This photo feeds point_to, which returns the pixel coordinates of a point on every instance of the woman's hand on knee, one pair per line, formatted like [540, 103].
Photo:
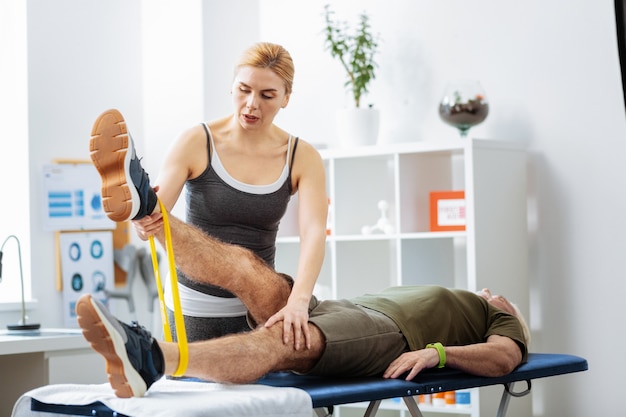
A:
[295, 318]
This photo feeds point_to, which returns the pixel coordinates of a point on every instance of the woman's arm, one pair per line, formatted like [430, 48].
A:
[186, 158]
[310, 180]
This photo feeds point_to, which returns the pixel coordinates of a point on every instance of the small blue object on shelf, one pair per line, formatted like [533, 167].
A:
[463, 398]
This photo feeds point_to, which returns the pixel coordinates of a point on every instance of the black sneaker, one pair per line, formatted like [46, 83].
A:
[126, 191]
[134, 360]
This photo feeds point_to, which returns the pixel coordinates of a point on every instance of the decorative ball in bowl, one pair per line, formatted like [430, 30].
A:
[464, 105]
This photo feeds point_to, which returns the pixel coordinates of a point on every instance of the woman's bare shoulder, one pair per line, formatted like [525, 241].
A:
[307, 149]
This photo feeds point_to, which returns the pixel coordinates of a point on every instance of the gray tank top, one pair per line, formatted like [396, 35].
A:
[235, 212]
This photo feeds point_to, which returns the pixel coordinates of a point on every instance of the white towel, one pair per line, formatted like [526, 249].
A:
[168, 398]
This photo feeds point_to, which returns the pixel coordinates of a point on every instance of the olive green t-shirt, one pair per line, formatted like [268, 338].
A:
[454, 317]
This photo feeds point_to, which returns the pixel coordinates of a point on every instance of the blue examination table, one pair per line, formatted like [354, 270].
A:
[328, 392]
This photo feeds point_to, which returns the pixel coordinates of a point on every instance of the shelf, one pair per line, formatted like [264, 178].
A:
[397, 404]
[433, 235]
[449, 146]
[362, 237]
[491, 251]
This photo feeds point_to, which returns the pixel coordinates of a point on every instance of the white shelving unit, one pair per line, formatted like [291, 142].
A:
[491, 252]
[397, 405]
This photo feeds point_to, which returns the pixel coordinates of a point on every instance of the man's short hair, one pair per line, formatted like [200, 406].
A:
[525, 328]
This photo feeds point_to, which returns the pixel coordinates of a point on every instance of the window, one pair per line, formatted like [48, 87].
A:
[14, 165]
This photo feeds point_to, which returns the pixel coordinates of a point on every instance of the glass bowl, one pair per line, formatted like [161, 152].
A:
[463, 105]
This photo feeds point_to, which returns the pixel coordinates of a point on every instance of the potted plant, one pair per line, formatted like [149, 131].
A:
[356, 50]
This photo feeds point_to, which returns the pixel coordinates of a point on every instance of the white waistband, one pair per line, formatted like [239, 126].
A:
[197, 304]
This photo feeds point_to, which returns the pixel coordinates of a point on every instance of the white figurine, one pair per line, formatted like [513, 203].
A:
[383, 224]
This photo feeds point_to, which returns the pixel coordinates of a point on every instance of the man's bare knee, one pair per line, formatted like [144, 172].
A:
[300, 360]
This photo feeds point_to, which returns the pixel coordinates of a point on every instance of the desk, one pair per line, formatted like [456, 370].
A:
[48, 356]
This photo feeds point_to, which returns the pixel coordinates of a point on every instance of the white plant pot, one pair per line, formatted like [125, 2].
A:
[357, 127]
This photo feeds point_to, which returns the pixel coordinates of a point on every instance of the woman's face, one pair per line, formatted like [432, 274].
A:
[258, 95]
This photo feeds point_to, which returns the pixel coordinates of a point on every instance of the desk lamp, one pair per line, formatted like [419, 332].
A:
[22, 324]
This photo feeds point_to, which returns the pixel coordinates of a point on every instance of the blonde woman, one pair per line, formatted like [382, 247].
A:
[240, 172]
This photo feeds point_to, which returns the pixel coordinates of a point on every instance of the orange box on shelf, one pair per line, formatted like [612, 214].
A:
[447, 211]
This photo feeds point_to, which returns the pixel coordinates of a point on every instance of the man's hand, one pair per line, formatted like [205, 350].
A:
[413, 363]
[498, 356]
[295, 318]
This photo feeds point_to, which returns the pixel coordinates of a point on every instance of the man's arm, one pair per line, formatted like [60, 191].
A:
[498, 356]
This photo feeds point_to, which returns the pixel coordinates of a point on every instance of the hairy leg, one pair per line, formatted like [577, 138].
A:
[245, 357]
[232, 267]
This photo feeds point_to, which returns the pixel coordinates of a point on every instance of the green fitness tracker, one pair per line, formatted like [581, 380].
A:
[440, 351]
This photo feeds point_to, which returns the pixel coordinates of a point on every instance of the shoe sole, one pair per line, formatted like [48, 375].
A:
[110, 153]
[105, 340]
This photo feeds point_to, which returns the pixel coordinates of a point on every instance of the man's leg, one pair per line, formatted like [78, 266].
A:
[127, 195]
[245, 357]
[135, 360]
[204, 259]
[126, 191]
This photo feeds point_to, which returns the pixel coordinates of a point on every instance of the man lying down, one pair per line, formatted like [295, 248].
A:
[396, 333]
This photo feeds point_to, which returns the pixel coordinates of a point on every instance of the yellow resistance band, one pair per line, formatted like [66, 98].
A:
[181, 334]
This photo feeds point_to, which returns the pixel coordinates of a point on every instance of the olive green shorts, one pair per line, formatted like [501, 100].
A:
[359, 341]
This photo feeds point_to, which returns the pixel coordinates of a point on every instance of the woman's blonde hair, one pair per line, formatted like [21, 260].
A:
[272, 56]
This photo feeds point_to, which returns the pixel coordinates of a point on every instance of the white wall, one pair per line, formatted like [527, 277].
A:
[80, 63]
[173, 71]
[549, 67]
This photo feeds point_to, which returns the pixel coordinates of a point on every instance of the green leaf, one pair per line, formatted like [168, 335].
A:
[355, 50]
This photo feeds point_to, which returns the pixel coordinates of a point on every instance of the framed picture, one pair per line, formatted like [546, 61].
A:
[447, 211]
[72, 199]
[86, 267]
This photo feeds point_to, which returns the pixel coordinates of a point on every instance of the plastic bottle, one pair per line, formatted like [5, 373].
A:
[450, 398]
[463, 398]
[425, 399]
[439, 399]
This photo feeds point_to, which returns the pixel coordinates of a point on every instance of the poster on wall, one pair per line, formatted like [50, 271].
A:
[72, 199]
[86, 268]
